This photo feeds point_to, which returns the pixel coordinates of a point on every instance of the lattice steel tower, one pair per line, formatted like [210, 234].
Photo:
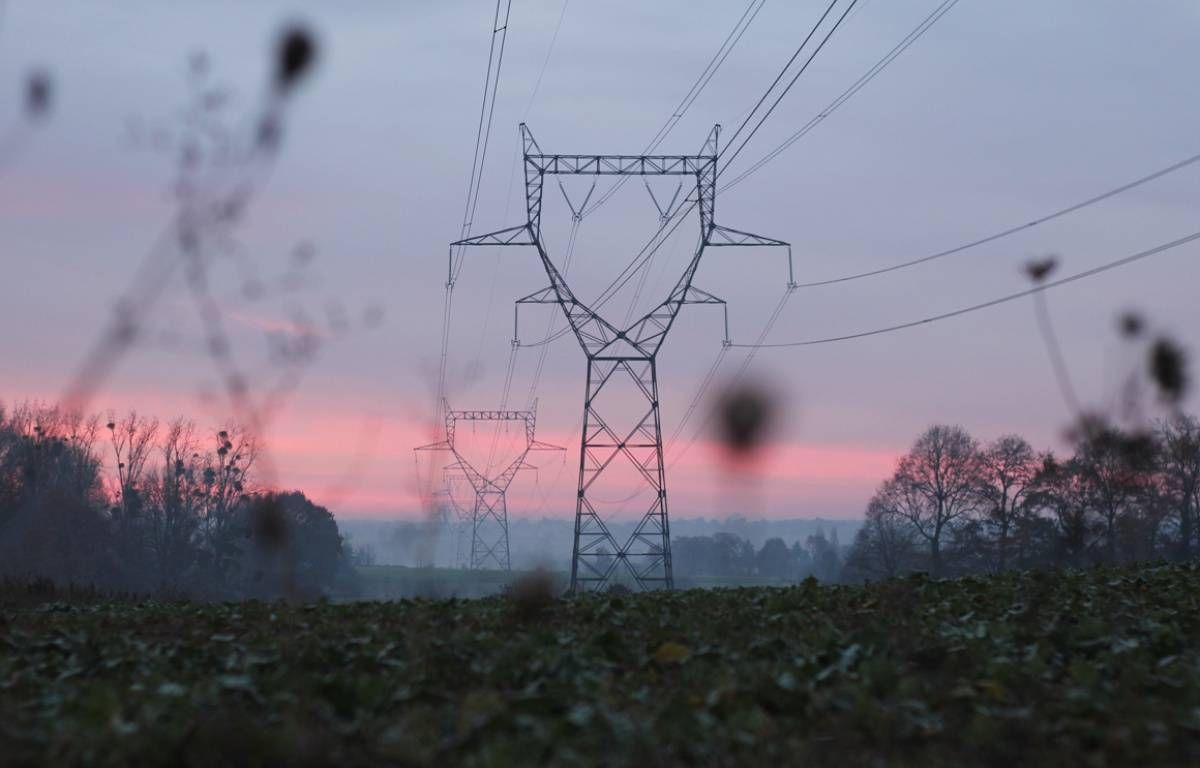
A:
[628, 355]
[489, 518]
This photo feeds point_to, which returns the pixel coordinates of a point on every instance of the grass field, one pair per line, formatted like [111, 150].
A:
[1079, 668]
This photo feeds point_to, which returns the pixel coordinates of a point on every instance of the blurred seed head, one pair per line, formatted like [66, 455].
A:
[1039, 269]
[39, 92]
[269, 524]
[744, 415]
[295, 54]
[1168, 369]
[1131, 324]
[532, 595]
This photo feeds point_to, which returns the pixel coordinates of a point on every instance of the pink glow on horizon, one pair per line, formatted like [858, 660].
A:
[362, 465]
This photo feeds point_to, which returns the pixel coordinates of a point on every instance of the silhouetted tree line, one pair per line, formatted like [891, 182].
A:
[176, 512]
[728, 557]
[956, 507]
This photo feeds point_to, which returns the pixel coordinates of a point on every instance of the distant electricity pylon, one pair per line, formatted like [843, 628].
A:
[443, 504]
[489, 517]
[628, 355]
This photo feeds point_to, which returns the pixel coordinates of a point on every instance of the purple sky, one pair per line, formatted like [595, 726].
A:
[1002, 113]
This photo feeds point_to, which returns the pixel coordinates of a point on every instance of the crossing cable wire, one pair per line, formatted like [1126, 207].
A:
[762, 336]
[707, 382]
[924, 26]
[483, 134]
[508, 377]
[912, 37]
[987, 304]
[791, 83]
[959, 249]
[545, 62]
[479, 156]
[647, 252]
[651, 248]
[689, 98]
[783, 71]
[508, 201]
[551, 322]
[513, 353]
[1014, 229]
[621, 279]
[712, 372]
[496, 257]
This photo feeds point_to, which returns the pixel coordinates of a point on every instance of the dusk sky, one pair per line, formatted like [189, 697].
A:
[1000, 114]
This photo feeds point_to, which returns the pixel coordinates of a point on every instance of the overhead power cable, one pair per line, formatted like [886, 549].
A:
[987, 304]
[546, 61]
[487, 111]
[656, 241]
[916, 34]
[766, 330]
[483, 132]
[727, 45]
[790, 85]
[1015, 229]
[647, 253]
[782, 72]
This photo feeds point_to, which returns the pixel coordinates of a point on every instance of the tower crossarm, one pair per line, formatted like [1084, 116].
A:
[518, 235]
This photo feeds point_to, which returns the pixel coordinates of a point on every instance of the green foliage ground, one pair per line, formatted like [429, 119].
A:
[1080, 668]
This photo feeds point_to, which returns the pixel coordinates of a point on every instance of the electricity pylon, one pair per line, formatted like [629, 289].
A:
[489, 518]
[626, 354]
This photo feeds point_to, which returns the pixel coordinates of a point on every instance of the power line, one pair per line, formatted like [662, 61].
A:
[791, 82]
[1015, 229]
[648, 251]
[727, 45]
[766, 330]
[987, 304]
[782, 72]
[484, 132]
[912, 37]
[546, 61]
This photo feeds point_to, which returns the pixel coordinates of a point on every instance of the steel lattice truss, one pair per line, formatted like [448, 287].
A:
[628, 355]
[489, 517]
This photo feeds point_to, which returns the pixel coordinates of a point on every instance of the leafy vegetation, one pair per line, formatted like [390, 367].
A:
[1075, 667]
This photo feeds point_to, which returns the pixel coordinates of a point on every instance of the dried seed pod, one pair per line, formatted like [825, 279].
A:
[295, 54]
[1039, 269]
[1168, 369]
[39, 91]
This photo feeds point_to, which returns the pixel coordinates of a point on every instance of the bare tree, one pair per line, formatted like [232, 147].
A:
[937, 486]
[132, 440]
[1179, 463]
[885, 546]
[173, 510]
[1007, 468]
[1114, 471]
